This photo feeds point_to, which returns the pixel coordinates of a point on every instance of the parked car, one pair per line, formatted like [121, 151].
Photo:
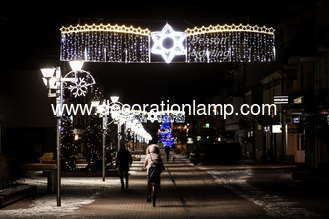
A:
[196, 156]
[227, 152]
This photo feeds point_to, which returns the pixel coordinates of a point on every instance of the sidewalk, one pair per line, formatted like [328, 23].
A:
[187, 192]
[318, 178]
[131, 203]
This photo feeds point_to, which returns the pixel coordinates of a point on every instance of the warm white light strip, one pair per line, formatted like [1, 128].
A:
[108, 27]
[229, 28]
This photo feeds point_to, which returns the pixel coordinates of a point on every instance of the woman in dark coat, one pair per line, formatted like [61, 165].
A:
[124, 160]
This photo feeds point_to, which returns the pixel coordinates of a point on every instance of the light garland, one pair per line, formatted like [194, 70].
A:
[132, 124]
[173, 116]
[153, 116]
[108, 28]
[230, 43]
[229, 28]
[105, 43]
[121, 44]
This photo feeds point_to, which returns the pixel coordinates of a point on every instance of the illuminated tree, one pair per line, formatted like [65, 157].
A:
[94, 139]
[94, 136]
[165, 133]
[68, 148]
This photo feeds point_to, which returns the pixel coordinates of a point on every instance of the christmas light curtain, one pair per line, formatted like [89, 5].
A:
[230, 43]
[221, 43]
[105, 43]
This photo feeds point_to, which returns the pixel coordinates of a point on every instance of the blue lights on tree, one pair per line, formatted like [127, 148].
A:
[165, 133]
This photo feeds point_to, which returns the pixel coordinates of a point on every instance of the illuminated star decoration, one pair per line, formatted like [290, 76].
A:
[152, 116]
[168, 53]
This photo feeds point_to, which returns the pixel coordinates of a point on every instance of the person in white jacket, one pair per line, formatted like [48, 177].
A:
[152, 155]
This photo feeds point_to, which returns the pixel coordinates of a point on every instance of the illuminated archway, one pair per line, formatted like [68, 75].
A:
[121, 44]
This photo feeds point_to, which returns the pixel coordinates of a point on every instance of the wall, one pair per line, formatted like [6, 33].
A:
[291, 147]
[26, 116]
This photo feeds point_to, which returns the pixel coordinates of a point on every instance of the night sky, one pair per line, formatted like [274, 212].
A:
[34, 28]
[31, 30]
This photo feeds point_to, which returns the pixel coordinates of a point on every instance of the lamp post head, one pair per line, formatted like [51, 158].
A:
[114, 99]
[48, 78]
[76, 65]
[95, 103]
[47, 72]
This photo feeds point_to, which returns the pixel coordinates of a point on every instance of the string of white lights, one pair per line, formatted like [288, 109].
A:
[108, 27]
[230, 44]
[229, 28]
[105, 43]
[221, 43]
[153, 116]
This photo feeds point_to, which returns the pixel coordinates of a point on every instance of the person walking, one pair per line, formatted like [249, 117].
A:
[123, 162]
[167, 150]
[152, 155]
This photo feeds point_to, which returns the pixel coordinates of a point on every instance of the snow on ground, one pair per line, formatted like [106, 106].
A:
[76, 191]
[274, 205]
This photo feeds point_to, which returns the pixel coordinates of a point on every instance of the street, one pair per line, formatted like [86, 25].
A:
[188, 191]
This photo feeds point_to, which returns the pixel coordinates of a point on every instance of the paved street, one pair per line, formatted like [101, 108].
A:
[188, 191]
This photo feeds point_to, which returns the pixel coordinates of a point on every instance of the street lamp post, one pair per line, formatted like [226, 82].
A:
[103, 111]
[119, 119]
[115, 99]
[104, 143]
[56, 83]
[119, 133]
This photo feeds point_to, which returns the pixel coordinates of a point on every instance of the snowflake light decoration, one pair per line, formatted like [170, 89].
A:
[80, 88]
[83, 79]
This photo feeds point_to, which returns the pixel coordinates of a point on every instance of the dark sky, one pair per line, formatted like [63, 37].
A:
[32, 30]
[35, 27]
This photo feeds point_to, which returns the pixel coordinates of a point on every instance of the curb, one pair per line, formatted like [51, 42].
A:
[15, 193]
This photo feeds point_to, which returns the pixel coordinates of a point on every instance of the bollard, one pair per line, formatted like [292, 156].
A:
[52, 181]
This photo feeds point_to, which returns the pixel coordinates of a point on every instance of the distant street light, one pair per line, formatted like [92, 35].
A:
[114, 108]
[103, 112]
[114, 99]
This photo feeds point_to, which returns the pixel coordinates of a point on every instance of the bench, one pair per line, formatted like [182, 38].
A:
[47, 157]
